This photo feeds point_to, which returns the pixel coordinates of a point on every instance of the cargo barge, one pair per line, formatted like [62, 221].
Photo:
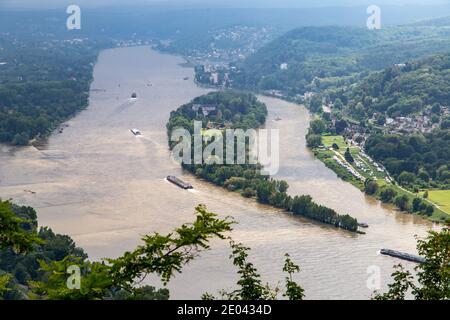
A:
[180, 183]
[403, 256]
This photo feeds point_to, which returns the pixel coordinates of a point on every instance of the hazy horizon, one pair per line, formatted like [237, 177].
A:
[46, 4]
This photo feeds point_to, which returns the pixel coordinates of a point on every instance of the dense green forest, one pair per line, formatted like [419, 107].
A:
[402, 90]
[25, 267]
[316, 58]
[42, 83]
[247, 179]
[233, 110]
[414, 160]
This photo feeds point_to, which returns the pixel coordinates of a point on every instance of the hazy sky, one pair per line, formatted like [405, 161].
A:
[212, 3]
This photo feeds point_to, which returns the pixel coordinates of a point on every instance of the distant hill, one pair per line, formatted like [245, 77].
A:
[403, 90]
[404, 113]
[314, 58]
[444, 21]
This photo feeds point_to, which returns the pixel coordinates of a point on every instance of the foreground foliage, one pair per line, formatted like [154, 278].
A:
[433, 277]
[250, 285]
[162, 255]
[18, 227]
[40, 270]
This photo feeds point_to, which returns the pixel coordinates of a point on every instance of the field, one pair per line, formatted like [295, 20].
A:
[339, 140]
[441, 198]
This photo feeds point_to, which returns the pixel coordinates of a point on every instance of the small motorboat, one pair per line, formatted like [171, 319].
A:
[136, 132]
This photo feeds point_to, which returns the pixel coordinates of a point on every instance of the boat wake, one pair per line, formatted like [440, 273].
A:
[124, 106]
[150, 141]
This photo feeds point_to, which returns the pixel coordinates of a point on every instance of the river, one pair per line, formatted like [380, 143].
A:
[106, 188]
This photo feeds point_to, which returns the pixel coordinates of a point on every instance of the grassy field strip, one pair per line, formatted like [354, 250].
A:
[441, 198]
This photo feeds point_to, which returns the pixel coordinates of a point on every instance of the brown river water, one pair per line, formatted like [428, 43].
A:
[106, 188]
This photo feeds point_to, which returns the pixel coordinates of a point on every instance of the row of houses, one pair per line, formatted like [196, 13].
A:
[420, 123]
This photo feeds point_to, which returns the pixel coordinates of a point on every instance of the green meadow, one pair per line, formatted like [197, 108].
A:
[441, 198]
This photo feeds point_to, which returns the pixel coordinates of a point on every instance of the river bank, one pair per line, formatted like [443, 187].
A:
[364, 170]
[367, 169]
